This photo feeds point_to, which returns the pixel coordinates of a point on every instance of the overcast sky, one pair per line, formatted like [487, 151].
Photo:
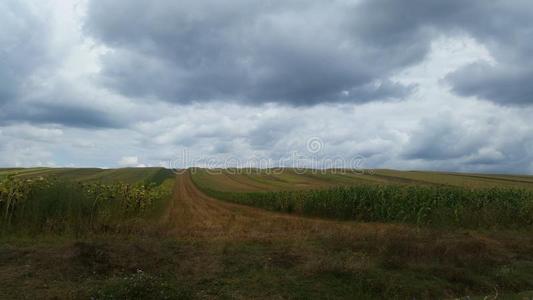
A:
[418, 84]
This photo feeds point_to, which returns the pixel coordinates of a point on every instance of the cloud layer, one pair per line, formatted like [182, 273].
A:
[297, 52]
[304, 52]
[23, 47]
[405, 84]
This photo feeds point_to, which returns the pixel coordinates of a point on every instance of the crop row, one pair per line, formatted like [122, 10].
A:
[50, 205]
[420, 205]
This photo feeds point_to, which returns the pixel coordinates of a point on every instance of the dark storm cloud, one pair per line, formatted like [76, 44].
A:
[28, 65]
[507, 84]
[298, 52]
[57, 113]
[302, 52]
[22, 47]
[73, 116]
[505, 27]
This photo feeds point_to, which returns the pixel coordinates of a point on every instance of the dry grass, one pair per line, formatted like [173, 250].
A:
[255, 180]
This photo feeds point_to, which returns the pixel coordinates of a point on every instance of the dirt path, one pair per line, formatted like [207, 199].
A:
[196, 215]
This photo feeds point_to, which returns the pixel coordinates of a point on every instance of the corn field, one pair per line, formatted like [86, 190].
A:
[420, 205]
[50, 205]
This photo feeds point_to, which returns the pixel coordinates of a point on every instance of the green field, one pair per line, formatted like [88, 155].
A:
[428, 199]
[147, 233]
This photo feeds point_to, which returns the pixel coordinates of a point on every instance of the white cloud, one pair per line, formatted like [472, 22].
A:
[129, 161]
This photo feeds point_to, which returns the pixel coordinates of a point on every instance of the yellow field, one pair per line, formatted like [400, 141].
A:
[126, 175]
[240, 180]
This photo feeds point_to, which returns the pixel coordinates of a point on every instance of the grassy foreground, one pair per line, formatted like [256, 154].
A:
[200, 248]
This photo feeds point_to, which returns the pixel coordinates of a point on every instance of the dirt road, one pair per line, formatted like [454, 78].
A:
[194, 214]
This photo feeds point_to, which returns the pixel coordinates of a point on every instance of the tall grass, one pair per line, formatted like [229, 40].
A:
[56, 206]
[420, 205]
